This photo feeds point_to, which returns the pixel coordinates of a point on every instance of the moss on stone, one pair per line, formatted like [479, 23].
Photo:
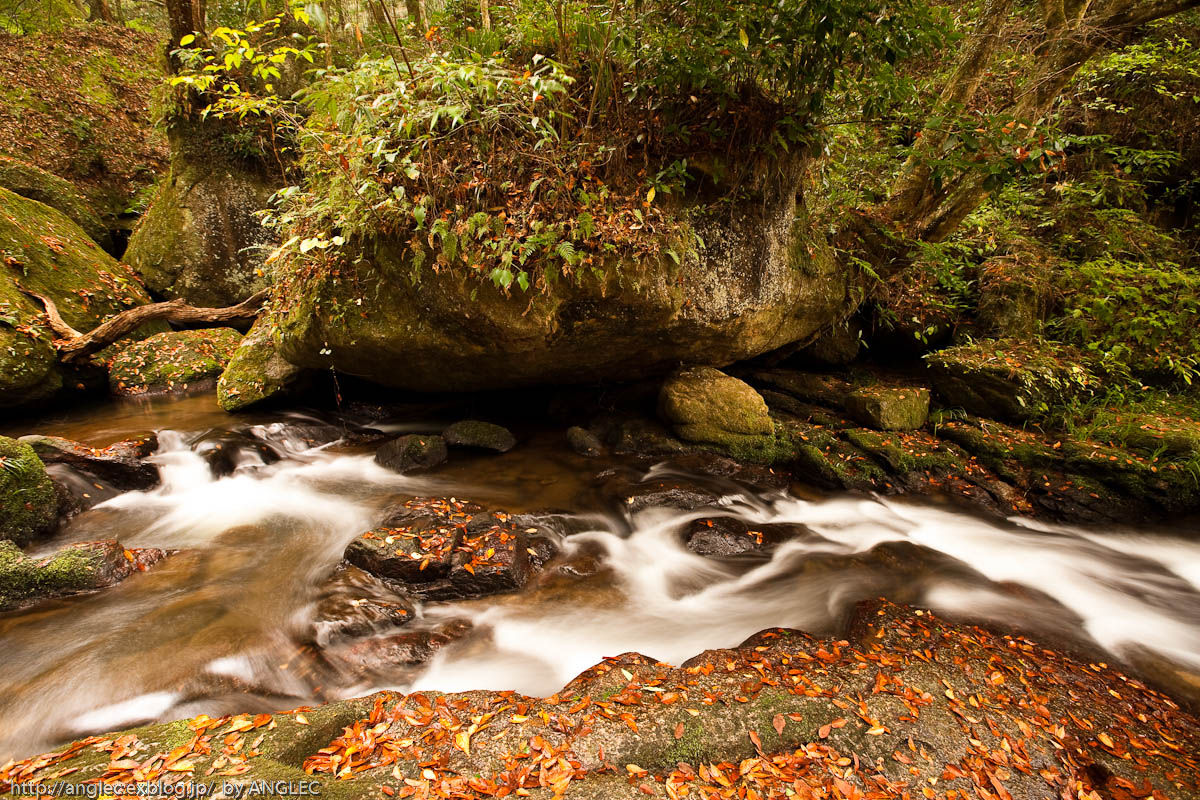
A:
[28, 502]
[256, 373]
[38, 184]
[889, 408]
[706, 405]
[74, 569]
[172, 361]
[44, 251]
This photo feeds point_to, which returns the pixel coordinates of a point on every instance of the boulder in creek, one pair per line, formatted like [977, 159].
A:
[446, 550]
[1009, 379]
[77, 568]
[701, 401]
[394, 654]
[584, 442]
[256, 373]
[173, 361]
[201, 238]
[480, 435]
[904, 700]
[759, 280]
[28, 501]
[889, 408]
[412, 453]
[48, 253]
[119, 465]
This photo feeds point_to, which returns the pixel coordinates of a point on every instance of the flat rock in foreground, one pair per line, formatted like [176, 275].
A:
[905, 706]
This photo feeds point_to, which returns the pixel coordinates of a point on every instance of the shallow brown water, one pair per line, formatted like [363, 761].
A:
[223, 624]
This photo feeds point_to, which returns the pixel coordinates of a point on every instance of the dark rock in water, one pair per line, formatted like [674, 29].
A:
[225, 451]
[481, 435]
[385, 654]
[29, 502]
[412, 453]
[646, 437]
[584, 442]
[354, 604]
[305, 434]
[757, 476]
[542, 531]
[448, 550]
[415, 543]
[491, 557]
[118, 465]
[729, 536]
[82, 567]
[629, 490]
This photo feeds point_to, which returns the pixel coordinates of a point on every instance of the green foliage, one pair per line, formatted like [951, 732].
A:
[1139, 319]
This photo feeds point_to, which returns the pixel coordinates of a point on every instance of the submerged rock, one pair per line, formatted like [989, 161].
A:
[353, 604]
[412, 453]
[82, 567]
[480, 435]
[172, 361]
[889, 409]
[256, 373]
[905, 702]
[28, 501]
[48, 253]
[386, 655]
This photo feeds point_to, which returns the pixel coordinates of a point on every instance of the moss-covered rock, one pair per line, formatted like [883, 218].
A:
[44, 251]
[889, 408]
[256, 373]
[200, 239]
[81, 567]
[480, 435]
[172, 361]
[702, 403]
[38, 184]
[1010, 379]
[760, 281]
[28, 502]
[412, 453]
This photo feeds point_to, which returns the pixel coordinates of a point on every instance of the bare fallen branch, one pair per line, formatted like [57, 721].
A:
[75, 346]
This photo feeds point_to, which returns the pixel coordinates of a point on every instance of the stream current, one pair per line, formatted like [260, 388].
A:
[223, 625]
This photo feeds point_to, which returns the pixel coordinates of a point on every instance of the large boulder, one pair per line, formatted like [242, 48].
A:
[37, 184]
[201, 238]
[28, 502]
[45, 252]
[889, 408]
[759, 282]
[700, 400]
[256, 373]
[172, 361]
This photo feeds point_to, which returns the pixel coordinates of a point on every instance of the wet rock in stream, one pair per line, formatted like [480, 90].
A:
[225, 451]
[78, 568]
[353, 603]
[479, 435]
[119, 465]
[412, 453]
[730, 536]
[442, 549]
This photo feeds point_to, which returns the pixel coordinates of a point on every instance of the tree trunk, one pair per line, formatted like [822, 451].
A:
[98, 11]
[485, 14]
[185, 17]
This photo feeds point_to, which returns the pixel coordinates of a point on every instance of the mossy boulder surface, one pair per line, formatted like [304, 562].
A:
[699, 399]
[759, 282]
[256, 373]
[28, 502]
[480, 435]
[1010, 379]
[172, 361]
[45, 252]
[80, 567]
[36, 183]
[200, 239]
[889, 409]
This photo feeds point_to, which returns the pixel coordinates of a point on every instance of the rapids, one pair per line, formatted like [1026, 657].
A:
[224, 624]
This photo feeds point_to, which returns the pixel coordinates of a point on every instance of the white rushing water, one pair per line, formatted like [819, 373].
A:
[218, 627]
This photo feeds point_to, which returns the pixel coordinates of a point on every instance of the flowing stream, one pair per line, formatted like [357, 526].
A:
[223, 624]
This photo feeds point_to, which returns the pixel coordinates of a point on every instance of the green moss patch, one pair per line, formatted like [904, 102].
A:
[172, 361]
